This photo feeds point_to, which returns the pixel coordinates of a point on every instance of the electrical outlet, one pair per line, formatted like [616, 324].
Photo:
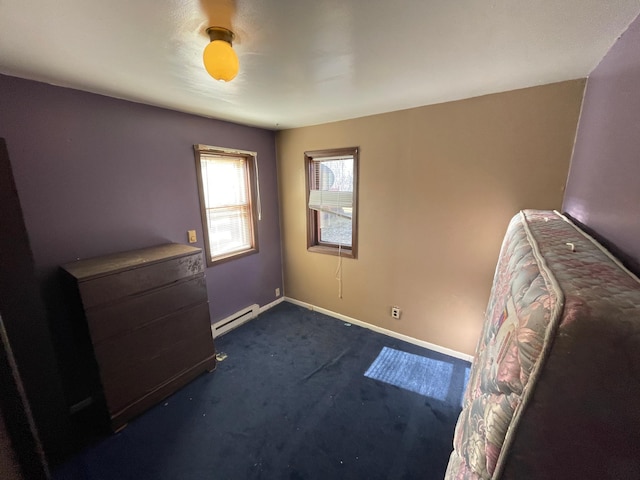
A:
[277, 292]
[192, 236]
[395, 312]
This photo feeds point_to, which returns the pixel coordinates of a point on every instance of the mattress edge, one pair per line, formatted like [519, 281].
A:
[554, 289]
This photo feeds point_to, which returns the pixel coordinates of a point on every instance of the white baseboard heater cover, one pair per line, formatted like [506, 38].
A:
[235, 320]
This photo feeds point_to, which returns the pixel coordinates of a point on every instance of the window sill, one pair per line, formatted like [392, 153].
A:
[330, 250]
[232, 256]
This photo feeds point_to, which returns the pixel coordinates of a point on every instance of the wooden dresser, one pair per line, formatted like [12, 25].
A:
[148, 318]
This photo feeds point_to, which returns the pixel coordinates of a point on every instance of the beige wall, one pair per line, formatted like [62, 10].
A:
[438, 185]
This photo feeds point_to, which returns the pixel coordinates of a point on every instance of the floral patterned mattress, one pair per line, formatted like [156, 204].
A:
[554, 391]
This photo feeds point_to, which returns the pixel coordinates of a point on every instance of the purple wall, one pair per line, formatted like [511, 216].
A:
[603, 189]
[97, 175]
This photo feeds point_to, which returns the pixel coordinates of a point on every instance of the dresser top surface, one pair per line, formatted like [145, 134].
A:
[116, 262]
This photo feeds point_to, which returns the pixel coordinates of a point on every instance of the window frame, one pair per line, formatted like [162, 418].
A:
[253, 194]
[313, 228]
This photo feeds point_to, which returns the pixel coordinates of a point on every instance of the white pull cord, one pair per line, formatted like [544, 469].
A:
[339, 271]
[255, 166]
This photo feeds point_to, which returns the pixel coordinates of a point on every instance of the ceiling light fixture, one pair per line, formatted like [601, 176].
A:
[219, 58]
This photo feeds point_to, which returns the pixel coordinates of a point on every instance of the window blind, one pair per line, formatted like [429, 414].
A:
[331, 188]
[330, 201]
[226, 194]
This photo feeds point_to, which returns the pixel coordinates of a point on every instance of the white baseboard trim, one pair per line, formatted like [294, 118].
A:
[270, 305]
[384, 331]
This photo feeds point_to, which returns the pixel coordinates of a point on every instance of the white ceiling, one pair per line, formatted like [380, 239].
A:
[305, 62]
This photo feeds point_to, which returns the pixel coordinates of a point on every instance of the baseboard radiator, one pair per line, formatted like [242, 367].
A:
[235, 320]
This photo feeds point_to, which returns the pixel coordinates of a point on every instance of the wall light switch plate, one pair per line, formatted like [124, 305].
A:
[192, 236]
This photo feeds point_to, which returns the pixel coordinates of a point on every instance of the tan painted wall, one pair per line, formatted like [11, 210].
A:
[438, 185]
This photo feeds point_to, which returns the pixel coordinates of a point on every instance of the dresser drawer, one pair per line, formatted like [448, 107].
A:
[143, 361]
[136, 311]
[102, 290]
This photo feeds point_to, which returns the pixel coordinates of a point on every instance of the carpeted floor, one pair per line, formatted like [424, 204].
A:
[290, 401]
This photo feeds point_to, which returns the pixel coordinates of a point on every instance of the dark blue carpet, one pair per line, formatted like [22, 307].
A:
[290, 401]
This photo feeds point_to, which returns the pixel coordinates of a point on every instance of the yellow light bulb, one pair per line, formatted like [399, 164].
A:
[220, 60]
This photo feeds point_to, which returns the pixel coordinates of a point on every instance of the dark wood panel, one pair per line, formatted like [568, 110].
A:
[130, 378]
[102, 290]
[27, 331]
[118, 394]
[119, 355]
[20, 446]
[134, 312]
[121, 417]
[89, 268]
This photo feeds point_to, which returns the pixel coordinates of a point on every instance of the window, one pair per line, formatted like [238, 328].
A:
[332, 191]
[229, 202]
